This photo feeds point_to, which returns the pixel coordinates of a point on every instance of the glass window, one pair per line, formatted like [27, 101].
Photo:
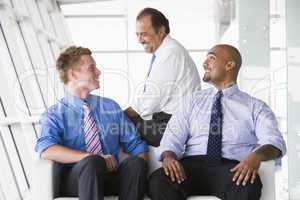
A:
[277, 7]
[110, 60]
[277, 32]
[115, 7]
[98, 33]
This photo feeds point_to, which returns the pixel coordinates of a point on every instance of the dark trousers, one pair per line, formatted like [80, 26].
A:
[90, 180]
[203, 180]
[152, 130]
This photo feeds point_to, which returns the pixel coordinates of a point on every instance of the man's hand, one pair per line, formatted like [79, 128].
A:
[131, 113]
[111, 162]
[247, 169]
[173, 169]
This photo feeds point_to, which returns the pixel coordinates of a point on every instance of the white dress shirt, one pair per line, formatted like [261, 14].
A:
[248, 123]
[173, 75]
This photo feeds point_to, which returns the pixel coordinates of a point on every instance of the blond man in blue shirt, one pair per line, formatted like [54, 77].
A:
[84, 132]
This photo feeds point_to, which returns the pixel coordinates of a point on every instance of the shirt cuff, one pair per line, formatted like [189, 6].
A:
[40, 148]
[139, 149]
[281, 147]
[161, 150]
[44, 143]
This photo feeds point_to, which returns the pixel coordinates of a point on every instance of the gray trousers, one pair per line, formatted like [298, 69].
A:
[90, 180]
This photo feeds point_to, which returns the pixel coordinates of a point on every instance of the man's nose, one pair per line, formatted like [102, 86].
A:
[98, 72]
[140, 38]
[204, 64]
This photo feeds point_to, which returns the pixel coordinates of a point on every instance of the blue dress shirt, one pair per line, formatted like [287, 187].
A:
[62, 124]
[248, 123]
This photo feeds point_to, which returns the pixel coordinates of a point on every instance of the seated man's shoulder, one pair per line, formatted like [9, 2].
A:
[254, 103]
[201, 93]
[54, 109]
[197, 96]
[51, 114]
[251, 99]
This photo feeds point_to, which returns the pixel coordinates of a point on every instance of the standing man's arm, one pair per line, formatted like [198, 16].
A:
[131, 113]
[144, 156]
[129, 137]
[272, 146]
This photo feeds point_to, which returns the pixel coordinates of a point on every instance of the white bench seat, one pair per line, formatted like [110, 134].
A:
[45, 180]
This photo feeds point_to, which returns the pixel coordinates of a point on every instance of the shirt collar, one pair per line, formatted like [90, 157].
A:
[228, 91]
[76, 101]
[161, 46]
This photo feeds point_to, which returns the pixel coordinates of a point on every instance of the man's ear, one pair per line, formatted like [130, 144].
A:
[162, 31]
[230, 66]
[71, 74]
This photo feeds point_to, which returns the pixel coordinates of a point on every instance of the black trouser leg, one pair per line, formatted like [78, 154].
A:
[222, 186]
[162, 188]
[202, 180]
[84, 179]
[133, 178]
[248, 192]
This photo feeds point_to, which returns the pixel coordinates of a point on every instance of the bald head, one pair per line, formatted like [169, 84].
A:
[231, 54]
[222, 65]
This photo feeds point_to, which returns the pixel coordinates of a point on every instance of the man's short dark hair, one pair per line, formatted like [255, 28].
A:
[157, 19]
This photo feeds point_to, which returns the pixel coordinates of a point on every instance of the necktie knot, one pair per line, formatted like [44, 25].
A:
[218, 95]
[86, 106]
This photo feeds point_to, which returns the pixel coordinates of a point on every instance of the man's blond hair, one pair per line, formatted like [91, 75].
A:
[69, 59]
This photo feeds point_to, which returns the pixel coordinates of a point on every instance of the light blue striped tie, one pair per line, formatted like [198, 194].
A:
[150, 68]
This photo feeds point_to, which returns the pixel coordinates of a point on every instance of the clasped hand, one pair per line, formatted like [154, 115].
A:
[111, 162]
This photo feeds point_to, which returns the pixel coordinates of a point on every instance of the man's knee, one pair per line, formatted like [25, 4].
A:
[93, 164]
[251, 191]
[135, 164]
[155, 180]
